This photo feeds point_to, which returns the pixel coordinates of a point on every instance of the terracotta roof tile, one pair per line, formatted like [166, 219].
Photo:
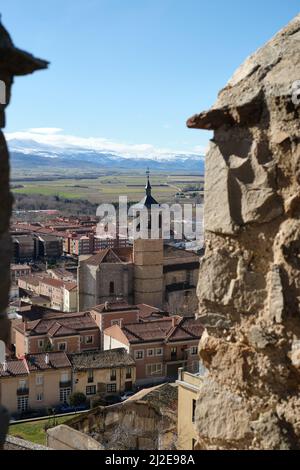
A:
[120, 255]
[164, 329]
[13, 368]
[56, 360]
[56, 325]
[101, 359]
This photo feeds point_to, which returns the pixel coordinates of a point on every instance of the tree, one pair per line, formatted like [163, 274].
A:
[77, 399]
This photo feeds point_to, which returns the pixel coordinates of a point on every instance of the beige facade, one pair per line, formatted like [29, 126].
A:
[61, 294]
[70, 297]
[101, 373]
[18, 270]
[148, 272]
[188, 390]
[36, 382]
[104, 381]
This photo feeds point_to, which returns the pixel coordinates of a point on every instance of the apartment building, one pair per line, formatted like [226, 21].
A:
[18, 270]
[103, 373]
[23, 248]
[68, 332]
[48, 246]
[122, 313]
[188, 391]
[62, 274]
[159, 347]
[62, 294]
[78, 243]
[39, 381]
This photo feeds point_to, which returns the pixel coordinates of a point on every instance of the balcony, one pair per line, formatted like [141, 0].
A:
[189, 380]
[65, 384]
[177, 358]
[23, 391]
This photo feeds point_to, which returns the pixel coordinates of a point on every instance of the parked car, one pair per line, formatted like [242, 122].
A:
[127, 395]
[112, 399]
[65, 408]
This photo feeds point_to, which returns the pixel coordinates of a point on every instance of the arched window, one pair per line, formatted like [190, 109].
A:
[111, 287]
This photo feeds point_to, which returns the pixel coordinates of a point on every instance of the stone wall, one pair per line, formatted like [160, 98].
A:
[15, 443]
[13, 62]
[249, 283]
[65, 438]
[146, 421]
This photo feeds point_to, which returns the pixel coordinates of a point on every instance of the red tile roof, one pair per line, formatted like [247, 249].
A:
[42, 278]
[34, 362]
[119, 306]
[13, 368]
[167, 329]
[118, 255]
[45, 361]
[58, 325]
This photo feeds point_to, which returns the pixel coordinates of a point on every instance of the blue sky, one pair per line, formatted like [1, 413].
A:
[132, 71]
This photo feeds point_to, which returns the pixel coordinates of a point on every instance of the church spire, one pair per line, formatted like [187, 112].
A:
[148, 187]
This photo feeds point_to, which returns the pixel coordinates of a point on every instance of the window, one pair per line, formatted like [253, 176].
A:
[64, 394]
[111, 388]
[111, 287]
[194, 350]
[22, 403]
[62, 346]
[193, 410]
[116, 322]
[89, 339]
[139, 354]
[150, 352]
[90, 376]
[22, 385]
[173, 353]
[39, 397]
[39, 380]
[64, 377]
[154, 369]
[91, 390]
[113, 374]
[41, 343]
[128, 373]
[159, 351]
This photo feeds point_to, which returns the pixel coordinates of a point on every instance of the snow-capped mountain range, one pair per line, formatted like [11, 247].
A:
[49, 148]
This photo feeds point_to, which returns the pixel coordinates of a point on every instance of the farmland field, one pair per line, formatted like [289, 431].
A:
[107, 188]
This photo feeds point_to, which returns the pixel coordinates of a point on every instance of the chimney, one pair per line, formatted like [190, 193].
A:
[106, 306]
[4, 366]
[47, 359]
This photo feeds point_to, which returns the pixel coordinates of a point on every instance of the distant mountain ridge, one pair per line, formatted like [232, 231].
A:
[27, 153]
